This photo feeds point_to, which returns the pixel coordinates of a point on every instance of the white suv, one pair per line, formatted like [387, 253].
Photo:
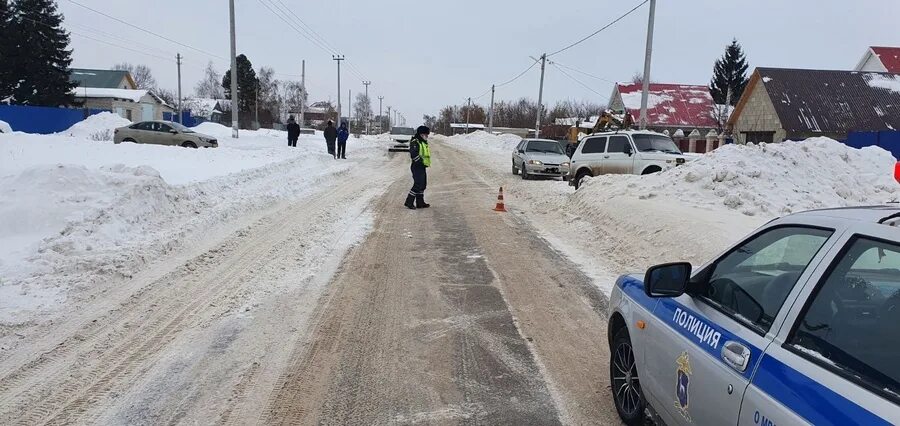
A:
[625, 152]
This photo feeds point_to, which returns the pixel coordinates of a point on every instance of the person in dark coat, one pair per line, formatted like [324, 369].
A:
[293, 130]
[420, 154]
[342, 135]
[330, 137]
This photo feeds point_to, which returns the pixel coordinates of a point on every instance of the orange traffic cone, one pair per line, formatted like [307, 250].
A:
[500, 206]
[897, 171]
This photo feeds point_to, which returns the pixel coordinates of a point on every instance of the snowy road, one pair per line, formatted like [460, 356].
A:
[451, 315]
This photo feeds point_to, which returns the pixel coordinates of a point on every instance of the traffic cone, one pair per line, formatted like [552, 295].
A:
[500, 206]
[897, 171]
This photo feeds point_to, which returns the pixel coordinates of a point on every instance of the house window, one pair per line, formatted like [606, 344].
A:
[758, 137]
[128, 115]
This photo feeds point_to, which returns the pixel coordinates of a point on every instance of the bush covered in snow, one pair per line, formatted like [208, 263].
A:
[98, 127]
[767, 179]
[5, 127]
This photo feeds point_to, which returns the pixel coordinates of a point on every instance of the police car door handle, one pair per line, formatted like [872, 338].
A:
[736, 355]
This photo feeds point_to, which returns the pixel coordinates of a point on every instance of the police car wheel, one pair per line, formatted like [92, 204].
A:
[626, 387]
[515, 171]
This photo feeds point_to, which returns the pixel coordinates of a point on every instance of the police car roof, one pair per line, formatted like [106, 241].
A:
[874, 214]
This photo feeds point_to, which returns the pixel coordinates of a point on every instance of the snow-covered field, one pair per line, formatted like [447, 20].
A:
[75, 210]
[624, 223]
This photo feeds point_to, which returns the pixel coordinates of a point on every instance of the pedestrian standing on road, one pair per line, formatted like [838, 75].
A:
[421, 160]
[293, 130]
[342, 135]
[330, 137]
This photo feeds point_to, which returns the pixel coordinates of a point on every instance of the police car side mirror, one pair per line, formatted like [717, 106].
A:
[667, 280]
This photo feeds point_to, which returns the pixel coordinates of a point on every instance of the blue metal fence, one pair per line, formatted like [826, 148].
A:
[887, 139]
[186, 118]
[43, 120]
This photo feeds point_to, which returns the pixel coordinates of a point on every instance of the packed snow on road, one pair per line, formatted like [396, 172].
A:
[626, 223]
[76, 209]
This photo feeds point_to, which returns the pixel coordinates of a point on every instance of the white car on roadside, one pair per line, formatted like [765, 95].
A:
[624, 152]
[797, 324]
[539, 157]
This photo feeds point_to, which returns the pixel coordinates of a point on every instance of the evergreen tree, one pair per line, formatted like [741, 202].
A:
[43, 55]
[730, 71]
[247, 84]
[7, 47]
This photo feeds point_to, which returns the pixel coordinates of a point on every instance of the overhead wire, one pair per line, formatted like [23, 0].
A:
[584, 73]
[284, 18]
[147, 31]
[576, 80]
[600, 30]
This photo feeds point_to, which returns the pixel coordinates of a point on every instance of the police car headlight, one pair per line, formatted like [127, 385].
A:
[565, 164]
[535, 162]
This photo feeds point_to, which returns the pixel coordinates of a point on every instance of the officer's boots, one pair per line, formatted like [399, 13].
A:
[409, 202]
[420, 202]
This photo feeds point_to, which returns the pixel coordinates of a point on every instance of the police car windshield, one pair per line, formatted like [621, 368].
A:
[658, 143]
[403, 131]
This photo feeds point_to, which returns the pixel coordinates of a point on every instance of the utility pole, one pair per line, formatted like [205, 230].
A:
[234, 77]
[491, 113]
[468, 109]
[256, 108]
[338, 59]
[389, 118]
[540, 106]
[350, 109]
[380, 117]
[367, 83]
[302, 92]
[645, 93]
[178, 60]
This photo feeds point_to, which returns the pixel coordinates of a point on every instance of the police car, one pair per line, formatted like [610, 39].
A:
[797, 324]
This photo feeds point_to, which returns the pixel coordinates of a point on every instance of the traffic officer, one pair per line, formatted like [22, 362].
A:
[421, 160]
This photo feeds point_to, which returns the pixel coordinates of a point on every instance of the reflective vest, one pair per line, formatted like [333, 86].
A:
[424, 153]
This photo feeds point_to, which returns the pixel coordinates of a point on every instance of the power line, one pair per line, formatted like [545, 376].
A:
[576, 80]
[309, 28]
[294, 27]
[147, 31]
[585, 73]
[601, 29]
[518, 76]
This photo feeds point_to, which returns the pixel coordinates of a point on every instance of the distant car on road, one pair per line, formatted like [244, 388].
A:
[624, 152]
[402, 134]
[799, 323]
[539, 157]
[163, 133]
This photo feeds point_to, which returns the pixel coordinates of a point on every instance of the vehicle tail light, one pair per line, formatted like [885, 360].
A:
[897, 172]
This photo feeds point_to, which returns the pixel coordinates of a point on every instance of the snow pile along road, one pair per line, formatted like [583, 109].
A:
[98, 127]
[5, 127]
[75, 212]
[766, 179]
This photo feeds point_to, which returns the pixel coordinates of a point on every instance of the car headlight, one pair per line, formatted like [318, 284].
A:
[565, 164]
[535, 162]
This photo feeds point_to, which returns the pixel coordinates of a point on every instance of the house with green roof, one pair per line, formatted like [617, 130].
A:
[103, 79]
[116, 91]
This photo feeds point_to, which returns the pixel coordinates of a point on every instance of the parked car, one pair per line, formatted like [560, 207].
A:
[539, 157]
[799, 323]
[163, 133]
[624, 152]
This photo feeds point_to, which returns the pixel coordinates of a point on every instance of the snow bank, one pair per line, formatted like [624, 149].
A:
[485, 142]
[75, 211]
[5, 127]
[767, 179]
[98, 127]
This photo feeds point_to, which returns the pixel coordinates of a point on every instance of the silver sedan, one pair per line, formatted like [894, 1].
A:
[163, 133]
[539, 157]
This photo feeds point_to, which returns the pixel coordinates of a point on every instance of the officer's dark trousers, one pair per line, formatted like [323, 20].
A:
[342, 149]
[420, 181]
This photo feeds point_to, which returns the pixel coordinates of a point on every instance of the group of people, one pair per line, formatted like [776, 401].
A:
[419, 153]
[332, 135]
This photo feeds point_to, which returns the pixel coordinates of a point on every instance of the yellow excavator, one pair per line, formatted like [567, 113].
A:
[609, 120]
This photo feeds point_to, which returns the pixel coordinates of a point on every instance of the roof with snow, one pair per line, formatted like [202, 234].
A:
[96, 92]
[464, 125]
[880, 59]
[824, 101]
[108, 79]
[670, 105]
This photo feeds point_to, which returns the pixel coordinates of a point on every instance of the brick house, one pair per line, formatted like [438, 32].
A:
[794, 104]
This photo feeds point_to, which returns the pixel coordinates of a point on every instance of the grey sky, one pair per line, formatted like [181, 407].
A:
[421, 55]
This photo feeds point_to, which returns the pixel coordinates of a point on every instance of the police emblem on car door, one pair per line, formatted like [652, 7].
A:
[682, 385]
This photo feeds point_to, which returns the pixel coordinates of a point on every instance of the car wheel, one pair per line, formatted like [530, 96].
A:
[525, 175]
[514, 169]
[651, 169]
[189, 145]
[129, 140]
[580, 177]
[626, 385]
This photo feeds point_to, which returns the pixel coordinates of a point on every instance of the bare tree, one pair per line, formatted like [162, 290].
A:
[142, 75]
[361, 108]
[268, 91]
[168, 96]
[210, 86]
[291, 95]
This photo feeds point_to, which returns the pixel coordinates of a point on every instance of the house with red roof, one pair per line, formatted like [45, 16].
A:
[680, 110]
[880, 59]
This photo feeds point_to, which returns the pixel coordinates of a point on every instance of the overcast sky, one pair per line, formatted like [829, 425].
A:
[421, 55]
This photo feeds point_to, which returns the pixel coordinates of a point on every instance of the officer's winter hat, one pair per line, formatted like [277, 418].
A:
[423, 130]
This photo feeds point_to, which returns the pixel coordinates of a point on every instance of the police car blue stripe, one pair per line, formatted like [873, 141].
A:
[806, 397]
